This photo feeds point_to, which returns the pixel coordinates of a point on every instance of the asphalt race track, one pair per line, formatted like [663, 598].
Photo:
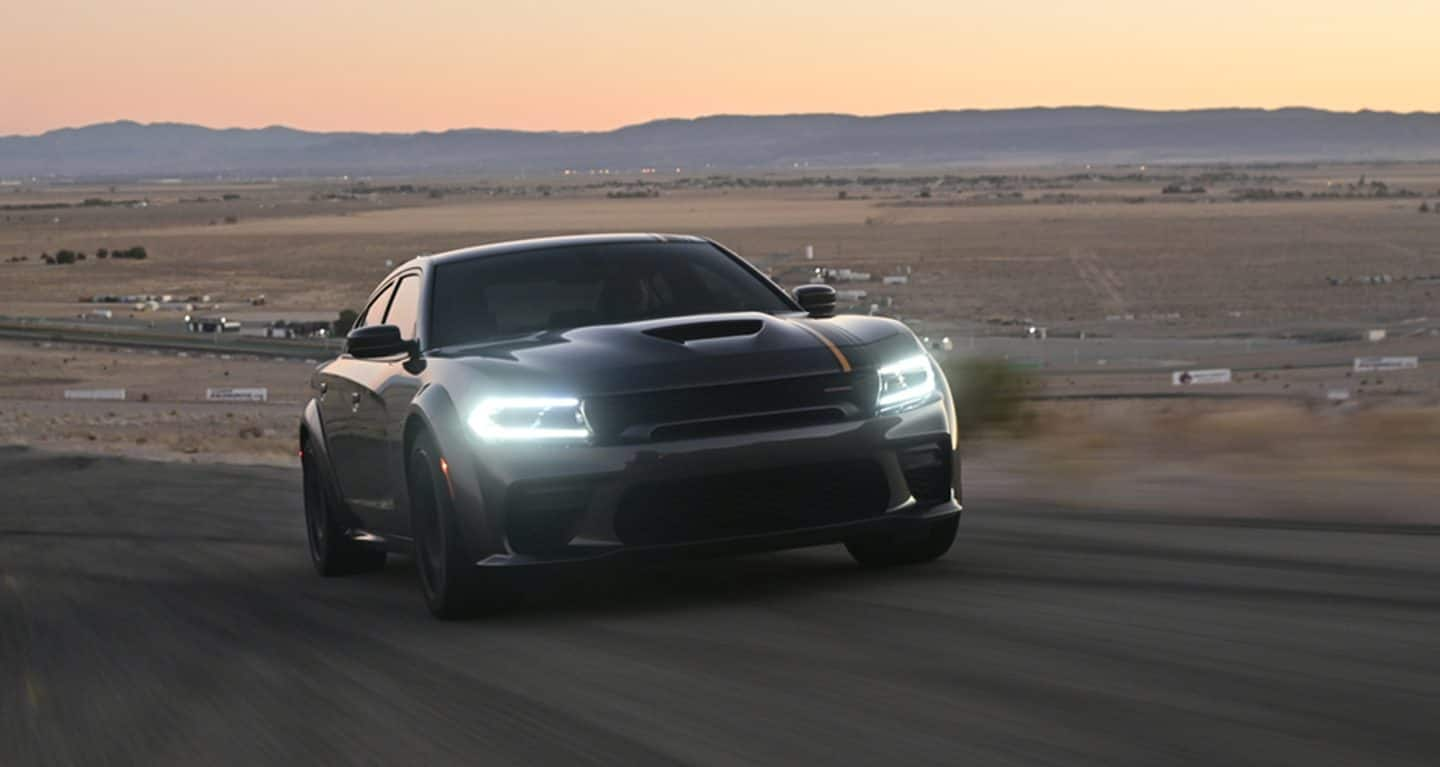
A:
[166, 614]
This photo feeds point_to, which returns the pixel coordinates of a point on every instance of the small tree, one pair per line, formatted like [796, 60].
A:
[102, 253]
[345, 321]
[64, 256]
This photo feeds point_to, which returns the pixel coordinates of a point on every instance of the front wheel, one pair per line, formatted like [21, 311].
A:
[451, 582]
[905, 547]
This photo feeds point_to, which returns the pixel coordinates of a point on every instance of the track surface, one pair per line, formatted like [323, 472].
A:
[165, 614]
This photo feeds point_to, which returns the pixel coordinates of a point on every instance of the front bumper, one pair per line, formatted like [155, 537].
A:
[527, 504]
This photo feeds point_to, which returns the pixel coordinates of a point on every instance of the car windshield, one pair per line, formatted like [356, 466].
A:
[515, 294]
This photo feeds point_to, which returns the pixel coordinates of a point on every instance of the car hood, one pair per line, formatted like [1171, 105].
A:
[690, 351]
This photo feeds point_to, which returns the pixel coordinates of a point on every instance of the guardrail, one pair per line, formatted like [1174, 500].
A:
[140, 338]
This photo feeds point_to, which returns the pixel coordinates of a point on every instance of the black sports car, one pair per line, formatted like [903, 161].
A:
[556, 400]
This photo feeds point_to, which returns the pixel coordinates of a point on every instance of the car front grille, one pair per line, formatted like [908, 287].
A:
[729, 408]
[752, 502]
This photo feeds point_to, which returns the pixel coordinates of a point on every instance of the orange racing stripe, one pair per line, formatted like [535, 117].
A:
[835, 350]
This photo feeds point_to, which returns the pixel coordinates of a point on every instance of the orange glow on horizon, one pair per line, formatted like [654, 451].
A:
[570, 65]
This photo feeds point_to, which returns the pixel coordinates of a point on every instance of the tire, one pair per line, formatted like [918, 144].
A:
[906, 547]
[331, 552]
[453, 585]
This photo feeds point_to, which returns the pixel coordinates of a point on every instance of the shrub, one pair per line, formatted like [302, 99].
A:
[634, 194]
[989, 394]
[137, 253]
[102, 253]
[64, 257]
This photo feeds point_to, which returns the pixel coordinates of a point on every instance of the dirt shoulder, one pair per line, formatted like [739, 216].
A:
[1371, 459]
[1377, 463]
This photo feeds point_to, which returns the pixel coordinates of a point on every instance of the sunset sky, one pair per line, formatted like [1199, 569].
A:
[586, 64]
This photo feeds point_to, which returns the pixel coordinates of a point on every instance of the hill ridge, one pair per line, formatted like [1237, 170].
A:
[1024, 136]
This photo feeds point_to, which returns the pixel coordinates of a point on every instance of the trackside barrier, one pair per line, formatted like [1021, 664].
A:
[1198, 377]
[238, 394]
[1372, 364]
[108, 394]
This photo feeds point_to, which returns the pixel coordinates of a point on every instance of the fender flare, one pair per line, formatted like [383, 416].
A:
[434, 411]
[312, 427]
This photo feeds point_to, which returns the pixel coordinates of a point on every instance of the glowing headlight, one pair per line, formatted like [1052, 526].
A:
[500, 419]
[907, 382]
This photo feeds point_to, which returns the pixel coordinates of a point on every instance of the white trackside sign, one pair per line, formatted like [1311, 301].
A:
[1196, 377]
[1370, 364]
[238, 394]
[95, 394]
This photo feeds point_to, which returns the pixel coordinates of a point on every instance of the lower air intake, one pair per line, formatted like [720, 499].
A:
[750, 503]
[928, 469]
[541, 518]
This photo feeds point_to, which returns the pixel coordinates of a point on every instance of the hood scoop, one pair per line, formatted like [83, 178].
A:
[702, 331]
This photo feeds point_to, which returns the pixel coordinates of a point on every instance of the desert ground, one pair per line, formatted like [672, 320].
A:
[1064, 254]
[1276, 272]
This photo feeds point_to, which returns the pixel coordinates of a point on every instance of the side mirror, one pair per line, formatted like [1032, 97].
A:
[818, 300]
[377, 341]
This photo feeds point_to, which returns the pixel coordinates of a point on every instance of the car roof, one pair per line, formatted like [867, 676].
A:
[545, 243]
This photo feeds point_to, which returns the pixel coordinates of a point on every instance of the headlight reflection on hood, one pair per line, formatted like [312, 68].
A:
[509, 419]
[906, 383]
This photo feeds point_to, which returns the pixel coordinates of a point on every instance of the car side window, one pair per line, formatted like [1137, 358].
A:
[376, 310]
[405, 307]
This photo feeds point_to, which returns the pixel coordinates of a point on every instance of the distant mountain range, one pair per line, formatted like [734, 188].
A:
[970, 137]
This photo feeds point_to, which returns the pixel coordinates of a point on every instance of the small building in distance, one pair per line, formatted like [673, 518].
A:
[289, 329]
[211, 325]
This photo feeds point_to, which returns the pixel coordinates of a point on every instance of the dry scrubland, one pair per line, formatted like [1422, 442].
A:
[1073, 255]
[164, 416]
[1203, 257]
